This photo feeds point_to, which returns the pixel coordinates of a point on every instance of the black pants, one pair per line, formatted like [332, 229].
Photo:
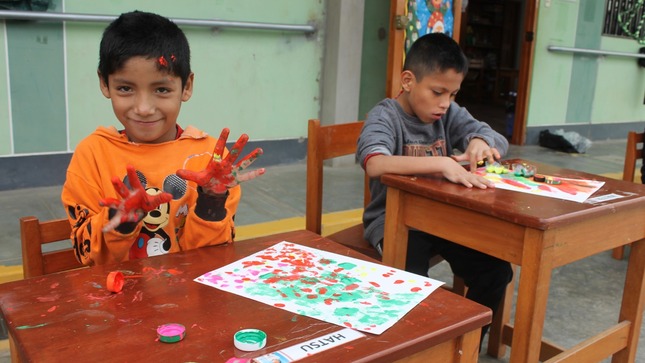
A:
[485, 276]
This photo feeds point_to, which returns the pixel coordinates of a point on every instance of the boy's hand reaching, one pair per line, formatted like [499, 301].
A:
[221, 174]
[136, 203]
[456, 173]
[478, 150]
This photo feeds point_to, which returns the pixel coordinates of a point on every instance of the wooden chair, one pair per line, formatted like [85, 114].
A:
[633, 152]
[332, 141]
[324, 143]
[33, 235]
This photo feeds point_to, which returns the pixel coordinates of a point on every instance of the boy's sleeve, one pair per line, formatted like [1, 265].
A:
[200, 231]
[80, 198]
[376, 138]
[463, 127]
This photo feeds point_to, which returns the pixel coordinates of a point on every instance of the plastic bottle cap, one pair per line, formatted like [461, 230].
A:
[250, 340]
[171, 333]
[115, 281]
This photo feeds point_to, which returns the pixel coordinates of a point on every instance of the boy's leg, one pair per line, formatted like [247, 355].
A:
[485, 276]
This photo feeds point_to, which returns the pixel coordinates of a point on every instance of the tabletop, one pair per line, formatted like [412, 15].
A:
[72, 315]
[529, 210]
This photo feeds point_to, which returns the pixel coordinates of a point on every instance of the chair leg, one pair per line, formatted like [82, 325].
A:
[496, 347]
[458, 285]
[618, 253]
[14, 351]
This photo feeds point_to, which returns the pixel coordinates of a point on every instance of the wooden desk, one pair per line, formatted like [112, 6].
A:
[71, 316]
[537, 233]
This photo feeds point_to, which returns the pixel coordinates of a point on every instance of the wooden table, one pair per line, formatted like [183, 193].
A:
[538, 234]
[71, 316]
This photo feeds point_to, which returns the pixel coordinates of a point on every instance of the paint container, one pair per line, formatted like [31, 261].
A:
[250, 340]
[539, 178]
[524, 169]
[115, 281]
[171, 333]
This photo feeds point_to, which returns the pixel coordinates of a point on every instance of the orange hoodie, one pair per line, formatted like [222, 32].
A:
[172, 227]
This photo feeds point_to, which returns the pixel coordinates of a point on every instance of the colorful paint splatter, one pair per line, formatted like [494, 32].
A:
[334, 288]
[577, 190]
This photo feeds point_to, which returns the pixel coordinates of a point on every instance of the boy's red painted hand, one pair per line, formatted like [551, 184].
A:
[136, 203]
[221, 173]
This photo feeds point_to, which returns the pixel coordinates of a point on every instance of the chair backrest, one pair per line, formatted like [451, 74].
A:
[633, 152]
[33, 235]
[324, 143]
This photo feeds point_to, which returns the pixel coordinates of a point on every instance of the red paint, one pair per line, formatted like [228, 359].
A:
[415, 289]
[278, 305]
[375, 284]
[398, 282]
[351, 287]
[515, 183]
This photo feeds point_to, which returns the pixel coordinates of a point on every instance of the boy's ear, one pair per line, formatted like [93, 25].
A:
[104, 87]
[407, 77]
[188, 88]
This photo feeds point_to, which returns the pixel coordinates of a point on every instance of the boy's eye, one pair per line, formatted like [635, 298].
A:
[163, 90]
[123, 88]
[437, 93]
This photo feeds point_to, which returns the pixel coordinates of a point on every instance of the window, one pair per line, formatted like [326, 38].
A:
[625, 18]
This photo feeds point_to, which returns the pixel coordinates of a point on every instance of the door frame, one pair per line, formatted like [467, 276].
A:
[527, 53]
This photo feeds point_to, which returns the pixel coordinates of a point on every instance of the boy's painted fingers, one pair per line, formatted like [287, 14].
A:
[221, 143]
[153, 202]
[237, 148]
[110, 202]
[250, 175]
[199, 177]
[120, 187]
[133, 178]
[249, 159]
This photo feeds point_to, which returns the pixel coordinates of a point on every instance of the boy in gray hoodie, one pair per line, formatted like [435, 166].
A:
[416, 133]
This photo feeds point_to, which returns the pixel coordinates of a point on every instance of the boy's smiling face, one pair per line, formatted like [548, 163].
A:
[429, 98]
[146, 100]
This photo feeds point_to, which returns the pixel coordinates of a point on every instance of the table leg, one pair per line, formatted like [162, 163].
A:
[496, 346]
[632, 306]
[395, 239]
[533, 292]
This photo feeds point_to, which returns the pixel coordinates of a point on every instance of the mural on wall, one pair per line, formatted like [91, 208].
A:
[428, 16]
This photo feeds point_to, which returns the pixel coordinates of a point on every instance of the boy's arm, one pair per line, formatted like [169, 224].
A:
[378, 165]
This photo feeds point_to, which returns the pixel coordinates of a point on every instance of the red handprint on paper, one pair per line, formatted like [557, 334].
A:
[136, 203]
[221, 173]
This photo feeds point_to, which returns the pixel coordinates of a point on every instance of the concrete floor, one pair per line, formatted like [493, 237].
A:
[584, 296]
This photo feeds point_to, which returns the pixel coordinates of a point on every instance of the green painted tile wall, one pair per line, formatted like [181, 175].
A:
[6, 145]
[35, 55]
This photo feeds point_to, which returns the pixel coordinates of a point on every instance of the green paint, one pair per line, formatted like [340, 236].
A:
[345, 311]
[23, 327]
[347, 265]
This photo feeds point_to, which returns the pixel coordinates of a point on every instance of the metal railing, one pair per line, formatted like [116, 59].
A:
[46, 16]
[553, 48]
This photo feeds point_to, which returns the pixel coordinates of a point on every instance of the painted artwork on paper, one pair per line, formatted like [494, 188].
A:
[577, 190]
[337, 289]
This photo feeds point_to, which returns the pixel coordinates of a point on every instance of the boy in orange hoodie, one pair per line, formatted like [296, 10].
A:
[153, 187]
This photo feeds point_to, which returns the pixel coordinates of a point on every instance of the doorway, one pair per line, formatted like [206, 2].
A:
[490, 36]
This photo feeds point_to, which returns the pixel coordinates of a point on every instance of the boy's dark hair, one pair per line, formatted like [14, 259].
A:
[435, 52]
[141, 34]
